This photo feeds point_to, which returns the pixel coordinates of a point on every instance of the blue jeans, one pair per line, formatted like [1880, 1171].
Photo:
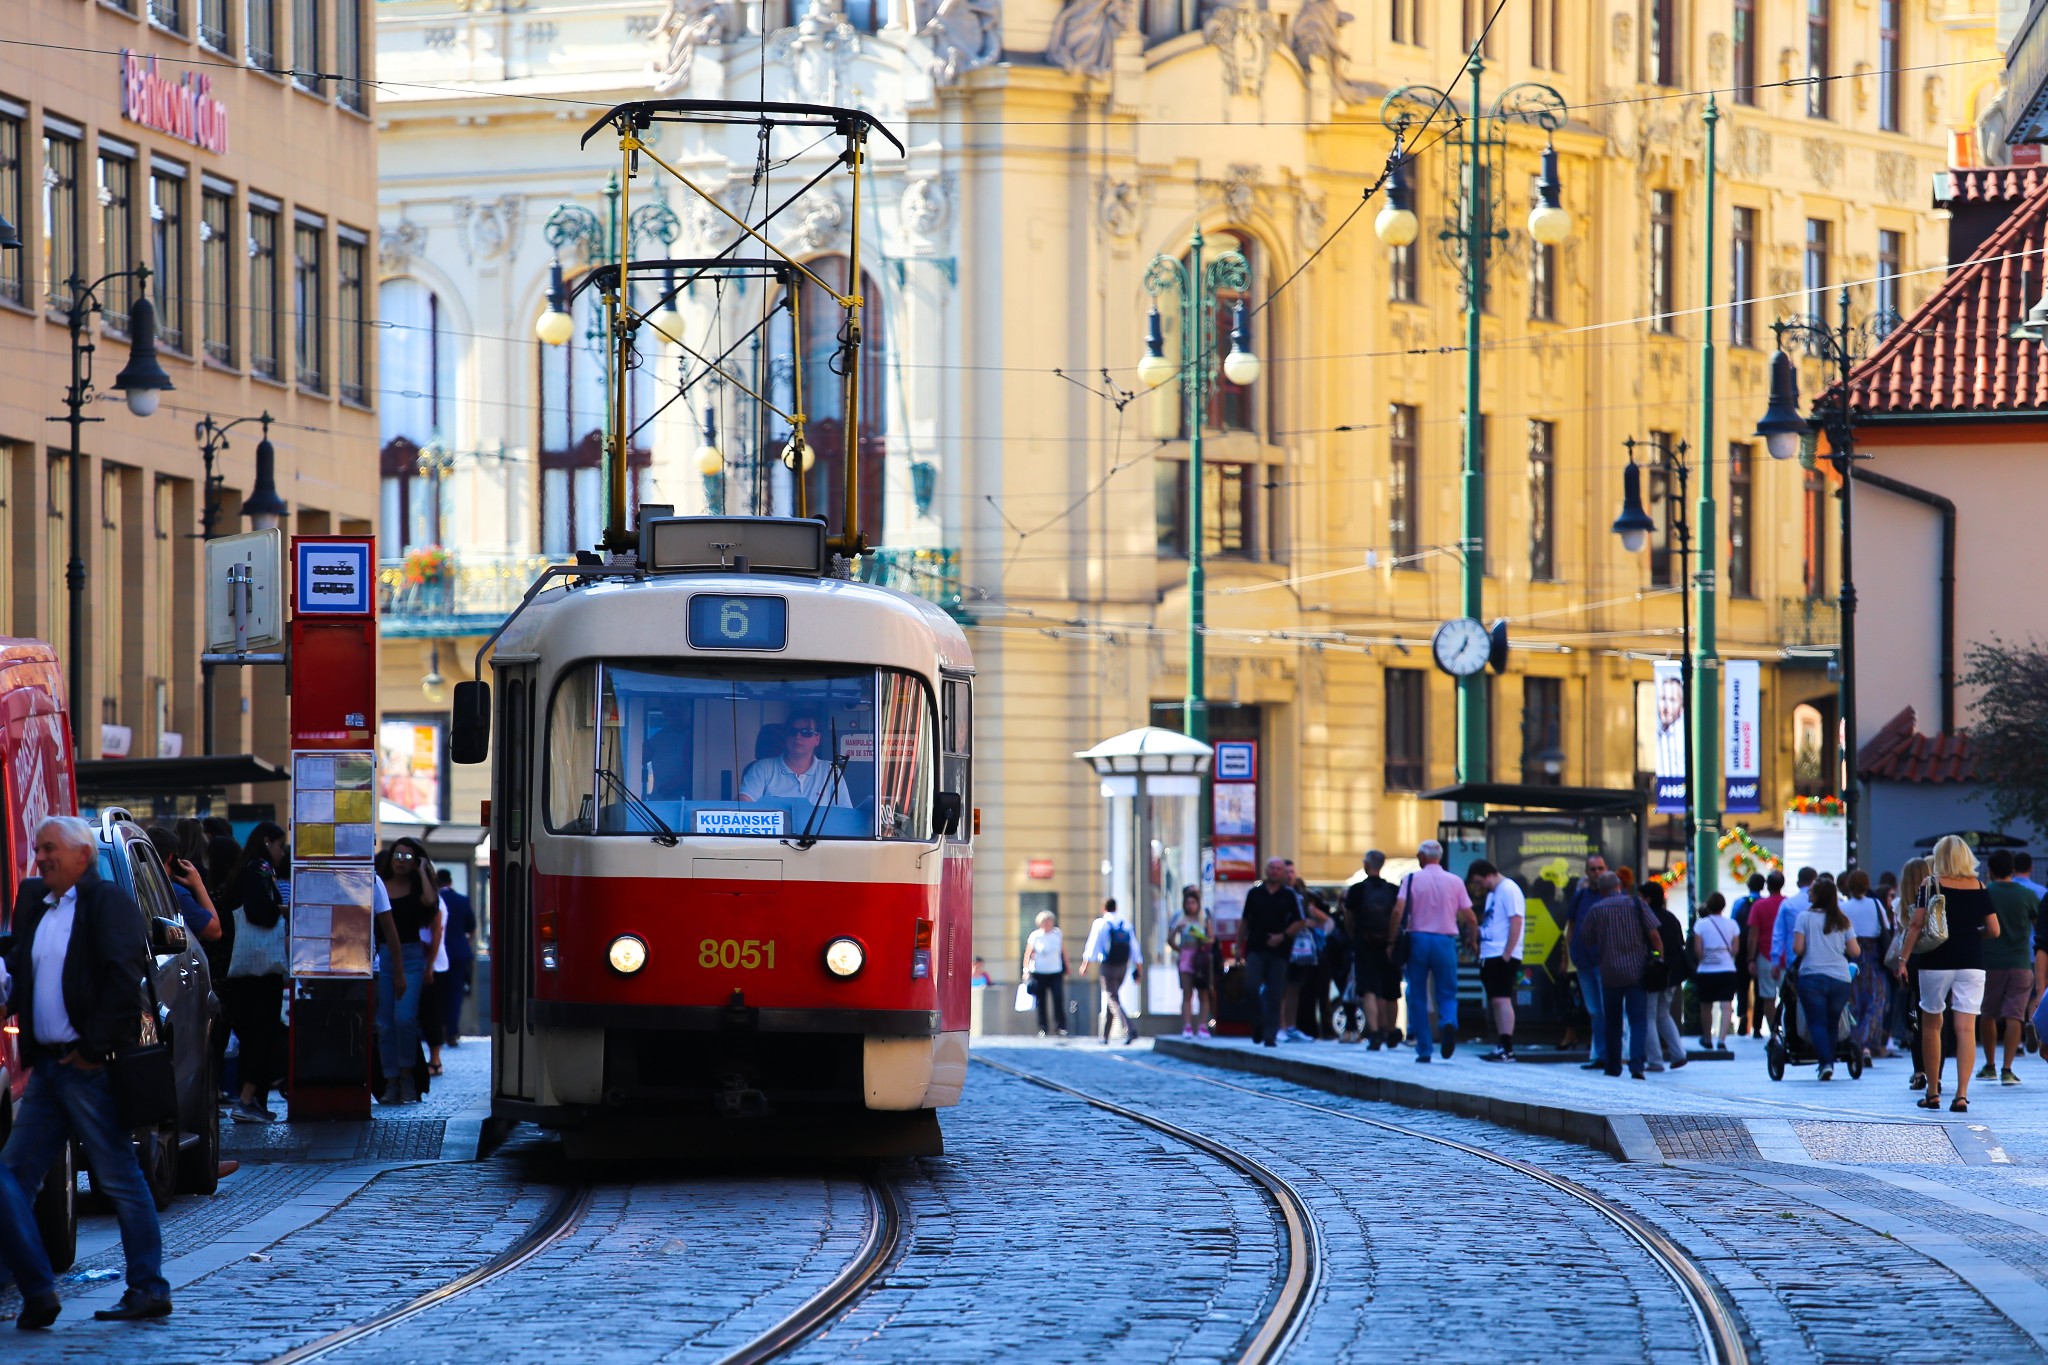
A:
[1432, 959]
[1269, 982]
[1821, 1002]
[1596, 1001]
[398, 1020]
[1633, 1008]
[63, 1102]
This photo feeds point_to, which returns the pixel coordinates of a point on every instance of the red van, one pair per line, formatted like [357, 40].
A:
[36, 780]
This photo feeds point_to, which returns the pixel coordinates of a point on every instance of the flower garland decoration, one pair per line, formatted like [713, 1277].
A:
[1819, 805]
[1671, 876]
[1750, 857]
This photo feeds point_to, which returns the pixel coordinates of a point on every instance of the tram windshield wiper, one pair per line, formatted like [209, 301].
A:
[807, 839]
[665, 836]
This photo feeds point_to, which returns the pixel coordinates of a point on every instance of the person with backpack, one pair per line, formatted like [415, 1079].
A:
[1663, 978]
[1369, 921]
[1112, 945]
[1738, 915]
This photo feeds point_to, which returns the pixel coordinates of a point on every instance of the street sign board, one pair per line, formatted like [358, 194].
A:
[334, 576]
[249, 566]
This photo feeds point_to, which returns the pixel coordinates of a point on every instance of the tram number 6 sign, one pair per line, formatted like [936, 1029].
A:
[738, 622]
[749, 953]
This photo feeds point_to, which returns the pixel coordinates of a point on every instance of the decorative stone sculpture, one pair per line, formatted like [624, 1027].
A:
[685, 26]
[964, 34]
[1315, 33]
[1084, 34]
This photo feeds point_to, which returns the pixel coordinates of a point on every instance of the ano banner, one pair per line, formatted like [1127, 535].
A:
[1670, 692]
[1741, 712]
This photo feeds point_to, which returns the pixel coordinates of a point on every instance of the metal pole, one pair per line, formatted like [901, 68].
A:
[1842, 437]
[74, 571]
[208, 511]
[1194, 351]
[1703, 691]
[1675, 467]
[1472, 717]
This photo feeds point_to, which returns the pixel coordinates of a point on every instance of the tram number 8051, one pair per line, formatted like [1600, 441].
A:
[747, 953]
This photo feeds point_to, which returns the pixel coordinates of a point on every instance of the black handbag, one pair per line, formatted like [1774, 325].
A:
[144, 1078]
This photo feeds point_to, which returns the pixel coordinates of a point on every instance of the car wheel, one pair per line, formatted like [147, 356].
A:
[57, 1210]
[158, 1150]
[199, 1164]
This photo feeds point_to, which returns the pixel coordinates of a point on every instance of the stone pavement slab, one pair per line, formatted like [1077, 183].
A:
[1704, 1111]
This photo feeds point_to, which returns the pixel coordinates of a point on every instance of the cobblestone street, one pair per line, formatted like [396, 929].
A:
[1154, 1249]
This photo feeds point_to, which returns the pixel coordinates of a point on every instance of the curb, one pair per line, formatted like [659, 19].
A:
[1625, 1137]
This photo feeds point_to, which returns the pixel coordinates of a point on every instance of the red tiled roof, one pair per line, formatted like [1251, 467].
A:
[1957, 353]
[1900, 753]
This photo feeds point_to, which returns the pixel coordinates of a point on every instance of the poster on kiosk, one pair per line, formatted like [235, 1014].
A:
[333, 824]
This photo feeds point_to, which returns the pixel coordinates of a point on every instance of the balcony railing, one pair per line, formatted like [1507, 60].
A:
[470, 595]
[933, 574]
[1810, 621]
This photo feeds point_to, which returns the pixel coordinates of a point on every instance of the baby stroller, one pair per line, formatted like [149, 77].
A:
[1790, 1044]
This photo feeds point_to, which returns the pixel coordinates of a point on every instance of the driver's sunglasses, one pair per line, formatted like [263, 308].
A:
[805, 731]
[402, 856]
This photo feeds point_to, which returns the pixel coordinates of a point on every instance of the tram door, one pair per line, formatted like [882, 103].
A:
[515, 1052]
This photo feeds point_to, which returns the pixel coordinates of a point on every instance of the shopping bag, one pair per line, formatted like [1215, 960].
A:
[1024, 1005]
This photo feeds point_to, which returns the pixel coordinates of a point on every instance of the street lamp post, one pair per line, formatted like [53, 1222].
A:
[213, 439]
[141, 380]
[1195, 286]
[1784, 430]
[1469, 241]
[1635, 526]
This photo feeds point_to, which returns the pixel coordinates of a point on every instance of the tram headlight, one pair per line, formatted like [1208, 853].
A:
[844, 957]
[627, 954]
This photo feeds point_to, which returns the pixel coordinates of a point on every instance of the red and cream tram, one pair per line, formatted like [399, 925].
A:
[731, 849]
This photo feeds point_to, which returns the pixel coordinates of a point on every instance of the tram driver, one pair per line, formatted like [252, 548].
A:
[796, 774]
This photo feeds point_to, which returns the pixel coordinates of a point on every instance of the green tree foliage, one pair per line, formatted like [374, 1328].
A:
[2010, 733]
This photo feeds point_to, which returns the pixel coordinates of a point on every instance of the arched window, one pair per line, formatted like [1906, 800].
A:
[1234, 407]
[825, 397]
[572, 419]
[418, 412]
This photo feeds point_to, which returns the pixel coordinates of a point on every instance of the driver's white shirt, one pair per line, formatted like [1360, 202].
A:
[773, 779]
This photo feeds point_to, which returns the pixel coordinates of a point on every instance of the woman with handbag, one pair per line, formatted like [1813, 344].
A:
[1868, 996]
[1045, 968]
[408, 877]
[1188, 939]
[253, 990]
[1955, 915]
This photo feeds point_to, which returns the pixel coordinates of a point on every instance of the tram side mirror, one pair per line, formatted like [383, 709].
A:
[469, 729]
[946, 810]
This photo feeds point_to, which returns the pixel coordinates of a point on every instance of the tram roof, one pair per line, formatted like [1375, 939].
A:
[830, 619]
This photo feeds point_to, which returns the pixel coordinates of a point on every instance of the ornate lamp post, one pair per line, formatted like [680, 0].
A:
[1195, 286]
[141, 381]
[1635, 527]
[1784, 432]
[1469, 241]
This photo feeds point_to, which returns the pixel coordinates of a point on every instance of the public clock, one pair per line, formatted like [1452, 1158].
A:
[1462, 647]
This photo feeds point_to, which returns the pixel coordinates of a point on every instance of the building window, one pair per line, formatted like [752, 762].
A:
[1663, 258]
[1546, 48]
[1483, 270]
[1542, 279]
[108, 609]
[306, 46]
[167, 541]
[1890, 58]
[167, 241]
[1891, 251]
[1403, 273]
[420, 417]
[1162, 20]
[266, 321]
[1818, 58]
[309, 303]
[213, 24]
[1477, 31]
[1814, 537]
[1543, 500]
[868, 16]
[1664, 548]
[1232, 407]
[572, 415]
[217, 273]
[1404, 484]
[13, 266]
[1484, 445]
[1819, 237]
[117, 234]
[1742, 290]
[1228, 499]
[1662, 32]
[165, 14]
[1407, 741]
[56, 549]
[1404, 21]
[63, 226]
[260, 28]
[348, 53]
[1743, 39]
[351, 323]
[1741, 515]
[1543, 732]
[824, 396]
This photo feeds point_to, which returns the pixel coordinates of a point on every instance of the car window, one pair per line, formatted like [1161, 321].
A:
[152, 888]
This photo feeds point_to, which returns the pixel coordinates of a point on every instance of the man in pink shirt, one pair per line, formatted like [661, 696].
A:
[1434, 910]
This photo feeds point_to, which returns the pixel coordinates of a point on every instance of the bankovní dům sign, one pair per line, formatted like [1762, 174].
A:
[183, 108]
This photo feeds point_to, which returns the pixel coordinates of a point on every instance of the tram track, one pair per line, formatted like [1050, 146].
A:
[1304, 1274]
[1716, 1322]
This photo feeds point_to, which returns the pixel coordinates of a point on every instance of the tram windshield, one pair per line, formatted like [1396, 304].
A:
[739, 750]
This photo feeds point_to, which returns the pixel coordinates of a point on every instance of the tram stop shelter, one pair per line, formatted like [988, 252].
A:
[1540, 836]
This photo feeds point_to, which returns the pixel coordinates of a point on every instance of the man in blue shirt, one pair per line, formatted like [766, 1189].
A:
[1796, 904]
[1587, 962]
[2023, 874]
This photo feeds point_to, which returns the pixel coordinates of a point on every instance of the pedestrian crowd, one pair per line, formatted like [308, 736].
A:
[75, 979]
